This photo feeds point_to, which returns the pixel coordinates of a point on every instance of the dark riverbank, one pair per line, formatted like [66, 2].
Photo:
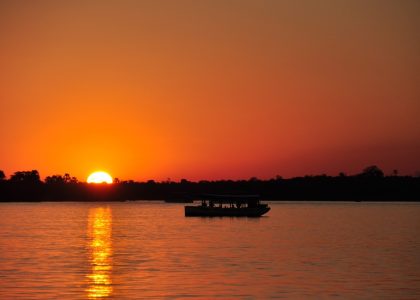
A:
[341, 188]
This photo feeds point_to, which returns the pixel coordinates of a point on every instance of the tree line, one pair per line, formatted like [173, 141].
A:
[369, 185]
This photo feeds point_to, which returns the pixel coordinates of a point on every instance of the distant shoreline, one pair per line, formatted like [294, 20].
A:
[317, 188]
[179, 203]
[370, 185]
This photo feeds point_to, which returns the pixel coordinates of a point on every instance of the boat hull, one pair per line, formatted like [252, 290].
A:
[200, 211]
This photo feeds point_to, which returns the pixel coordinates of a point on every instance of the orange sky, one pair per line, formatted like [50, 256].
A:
[209, 89]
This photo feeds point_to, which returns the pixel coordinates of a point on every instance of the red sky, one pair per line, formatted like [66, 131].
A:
[209, 89]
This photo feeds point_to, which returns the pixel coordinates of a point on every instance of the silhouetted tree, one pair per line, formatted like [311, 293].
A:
[58, 179]
[372, 171]
[253, 179]
[67, 177]
[54, 179]
[26, 177]
[2, 175]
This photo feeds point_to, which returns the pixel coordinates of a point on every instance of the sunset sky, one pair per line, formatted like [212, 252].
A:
[209, 89]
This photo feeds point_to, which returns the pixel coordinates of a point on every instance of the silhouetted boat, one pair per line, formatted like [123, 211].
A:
[228, 205]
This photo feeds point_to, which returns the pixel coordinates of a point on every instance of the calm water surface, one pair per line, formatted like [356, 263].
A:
[137, 250]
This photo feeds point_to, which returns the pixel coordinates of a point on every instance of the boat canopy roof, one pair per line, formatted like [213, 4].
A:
[230, 198]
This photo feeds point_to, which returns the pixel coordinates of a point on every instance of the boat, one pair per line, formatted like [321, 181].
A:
[228, 206]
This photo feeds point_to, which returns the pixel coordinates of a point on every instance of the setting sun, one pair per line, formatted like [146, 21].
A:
[99, 177]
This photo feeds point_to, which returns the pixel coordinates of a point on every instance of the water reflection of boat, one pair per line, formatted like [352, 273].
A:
[228, 205]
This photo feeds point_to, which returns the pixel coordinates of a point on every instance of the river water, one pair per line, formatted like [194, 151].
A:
[137, 250]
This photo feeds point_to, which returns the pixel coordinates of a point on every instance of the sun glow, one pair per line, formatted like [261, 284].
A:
[99, 177]
[100, 248]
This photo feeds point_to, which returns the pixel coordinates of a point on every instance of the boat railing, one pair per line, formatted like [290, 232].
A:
[234, 201]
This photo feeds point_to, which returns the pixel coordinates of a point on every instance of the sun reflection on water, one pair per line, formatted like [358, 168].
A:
[100, 246]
